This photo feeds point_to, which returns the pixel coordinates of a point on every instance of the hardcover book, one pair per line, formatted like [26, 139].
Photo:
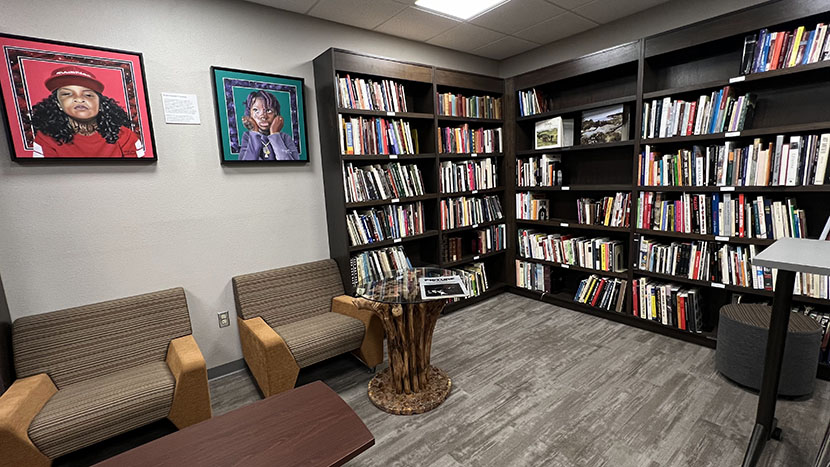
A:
[554, 132]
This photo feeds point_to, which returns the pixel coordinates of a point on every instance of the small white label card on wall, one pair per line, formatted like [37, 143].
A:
[182, 109]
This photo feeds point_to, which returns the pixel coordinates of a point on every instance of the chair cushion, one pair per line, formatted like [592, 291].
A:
[85, 413]
[320, 337]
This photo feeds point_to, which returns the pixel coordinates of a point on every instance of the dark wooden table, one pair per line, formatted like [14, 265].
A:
[310, 425]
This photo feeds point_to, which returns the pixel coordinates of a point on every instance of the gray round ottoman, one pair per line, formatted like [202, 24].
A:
[742, 346]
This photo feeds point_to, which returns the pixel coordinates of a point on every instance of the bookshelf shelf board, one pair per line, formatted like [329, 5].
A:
[473, 226]
[383, 113]
[386, 157]
[381, 202]
[670, 92]
[572, 267]
[767, 131]
[484, 191]
[575, 188]
[492, 291]
[744, 189]
[711, 238]
[393, 241]
[470, 259]
[731, 288]
[472, 120]
[577, 147]
[469, 155]
[578, 108]
[571, 224]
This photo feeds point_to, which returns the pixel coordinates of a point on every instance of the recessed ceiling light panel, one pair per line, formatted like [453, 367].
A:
[461, 9]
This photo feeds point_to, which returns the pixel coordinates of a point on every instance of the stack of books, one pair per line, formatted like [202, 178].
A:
[359, 136]
[608, 211]
[602, 292]
[463, 139]
[721, 111]
[602, 254]
[378, 264]
[478, 174]
[668, 304]
[767, 50]
[456, 105]
[376, 182]
[539, 171]
[366, 94]
[463, 211]
[388, 222]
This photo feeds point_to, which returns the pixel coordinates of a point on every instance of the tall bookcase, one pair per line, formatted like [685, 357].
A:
[422, 83]
[681, 64]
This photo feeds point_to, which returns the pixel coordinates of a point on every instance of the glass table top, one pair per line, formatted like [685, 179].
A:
[402, 287]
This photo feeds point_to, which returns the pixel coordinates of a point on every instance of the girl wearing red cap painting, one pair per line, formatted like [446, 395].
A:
[77, 120]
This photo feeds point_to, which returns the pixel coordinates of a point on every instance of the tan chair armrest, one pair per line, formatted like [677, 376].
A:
[191, 398]
[18, 407]
[268, 356]
[371, 350]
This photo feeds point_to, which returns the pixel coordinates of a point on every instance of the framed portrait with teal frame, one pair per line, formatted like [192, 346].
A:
[261, 117]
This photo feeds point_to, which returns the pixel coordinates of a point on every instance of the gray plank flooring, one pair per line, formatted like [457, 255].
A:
[535, 384]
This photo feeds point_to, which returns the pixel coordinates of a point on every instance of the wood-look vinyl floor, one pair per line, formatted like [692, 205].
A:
[535, 384]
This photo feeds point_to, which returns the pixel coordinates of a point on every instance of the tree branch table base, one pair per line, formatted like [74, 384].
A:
[410, 385]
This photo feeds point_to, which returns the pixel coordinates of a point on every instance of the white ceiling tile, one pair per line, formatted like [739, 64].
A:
[605, 11]
[516, 15]
[465, 37]
[569, 4]
[366, 14]
[415, 24]
[505, 47]
[299, 6]
[558, 27]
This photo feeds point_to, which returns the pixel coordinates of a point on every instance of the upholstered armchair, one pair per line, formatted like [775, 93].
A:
[86, 374]
[296, 316]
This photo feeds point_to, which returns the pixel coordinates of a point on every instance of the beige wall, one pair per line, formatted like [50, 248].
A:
[655, 20]
[73, 234]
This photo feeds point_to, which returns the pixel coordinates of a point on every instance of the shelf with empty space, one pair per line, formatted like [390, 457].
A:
[381, 202]
[710, 238]
[384, 113]
[470, 259]
[577, 147]
[573, 267]
[393, 241]
[570, 224]
[578, 108]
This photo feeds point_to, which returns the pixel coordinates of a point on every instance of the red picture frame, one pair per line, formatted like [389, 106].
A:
[65, 102]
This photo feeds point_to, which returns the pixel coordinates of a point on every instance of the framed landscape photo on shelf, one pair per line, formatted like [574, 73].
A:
[67, 101]
[261, 117]
[604, 125]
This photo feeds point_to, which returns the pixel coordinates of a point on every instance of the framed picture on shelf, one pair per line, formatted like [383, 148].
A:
[604, 125]
[261, 117]
[67, 101]
[554, 132]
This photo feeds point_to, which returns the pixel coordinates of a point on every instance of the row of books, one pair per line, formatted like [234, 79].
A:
[474, 277]
[464, 139]
[533, 102]
[473, 174]
[721, 214]
[809, 285]
[539, 171]
[387, 222]
[602, 254]
[721, 111]
[534, 276]
[463, 211]
[378, 264]
[668, 304]
[488, 239]
[802, 160]
[456, 105]
[367, 94]
[767, 50]
[376, 182]
[532, 206]
[370, 135]
[602, 292]
[823, 319]
[610, 211]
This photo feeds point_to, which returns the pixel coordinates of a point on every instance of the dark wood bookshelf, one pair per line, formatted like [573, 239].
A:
[740, 189]
[710, 238]
[483, 191]
[575, 188]
[383, 113]
[578, 108]
[470, 120]
[386, 157]
[381, 202]
[470, 258]
[469, 155]
[571, 224]
[749, 133]
[473, 226]
[393, 241]
[573, 267]
[576, 147]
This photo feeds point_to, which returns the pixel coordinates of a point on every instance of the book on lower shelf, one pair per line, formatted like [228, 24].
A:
[474, 277]
[464, 211]
[774, 50]
[473, 174]
[532, 206]
[378, 264]
[480, 241]
[668, 304]
[539, 171]
[387, 222]
[381, 182]
[600, 253]
[537, 277]
[602, 292]
[463, 139]
[717, 112]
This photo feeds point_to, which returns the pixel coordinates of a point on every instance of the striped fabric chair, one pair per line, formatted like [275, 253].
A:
[293, 317]
[92, 372]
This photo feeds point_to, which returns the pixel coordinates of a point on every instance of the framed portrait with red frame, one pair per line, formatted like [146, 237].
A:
[66, 101]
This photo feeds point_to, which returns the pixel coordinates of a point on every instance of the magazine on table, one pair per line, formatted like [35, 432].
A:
[437, 288]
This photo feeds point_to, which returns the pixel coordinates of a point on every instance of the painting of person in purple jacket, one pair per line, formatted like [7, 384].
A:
[264, 139]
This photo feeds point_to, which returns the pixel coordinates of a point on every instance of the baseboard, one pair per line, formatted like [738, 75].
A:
[227, 368]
